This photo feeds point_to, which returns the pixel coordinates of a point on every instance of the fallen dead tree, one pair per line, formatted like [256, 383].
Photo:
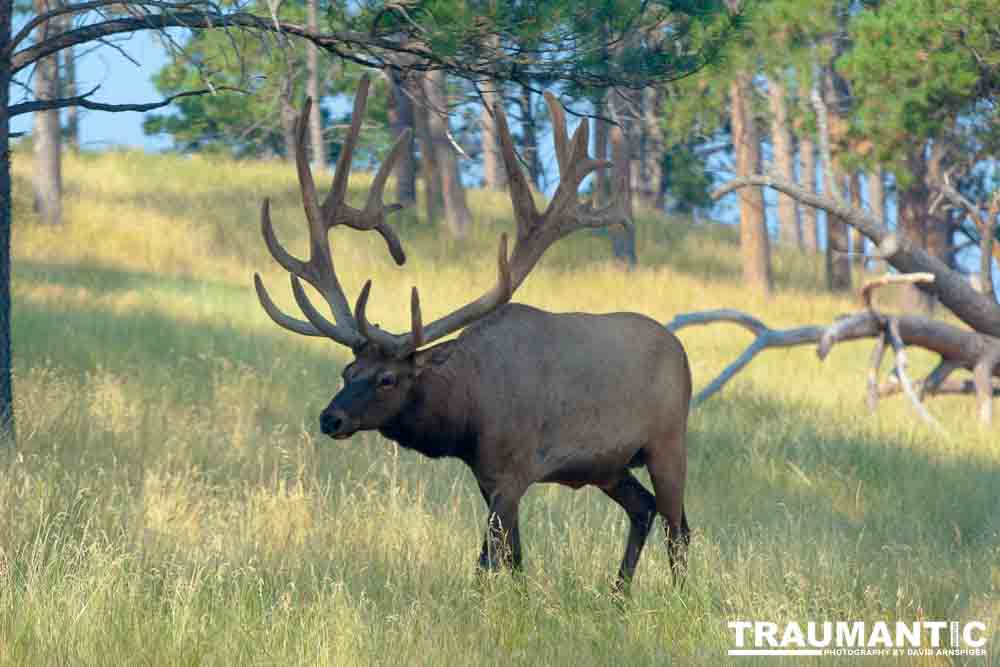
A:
[956, 347]
[976, 350]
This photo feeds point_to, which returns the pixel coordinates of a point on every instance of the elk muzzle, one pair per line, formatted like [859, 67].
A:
[336, 423]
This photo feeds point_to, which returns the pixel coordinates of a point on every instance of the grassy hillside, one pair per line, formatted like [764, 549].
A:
[172, 502]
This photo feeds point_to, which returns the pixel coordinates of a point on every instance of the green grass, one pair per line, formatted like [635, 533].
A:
[171, 502]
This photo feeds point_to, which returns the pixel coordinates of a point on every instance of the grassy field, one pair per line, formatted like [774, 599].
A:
[171, 501]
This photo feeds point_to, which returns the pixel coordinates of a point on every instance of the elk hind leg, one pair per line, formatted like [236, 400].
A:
[640, 505]
[667, 465]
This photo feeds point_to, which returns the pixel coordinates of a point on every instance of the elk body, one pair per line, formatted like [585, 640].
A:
[521, 395]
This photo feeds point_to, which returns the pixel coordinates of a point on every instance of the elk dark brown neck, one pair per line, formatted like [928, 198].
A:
[437, 417]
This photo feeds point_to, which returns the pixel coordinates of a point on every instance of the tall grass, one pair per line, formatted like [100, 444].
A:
[170, 501]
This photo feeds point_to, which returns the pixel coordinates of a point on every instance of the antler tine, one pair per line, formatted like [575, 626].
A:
[383, 340]
[326, 328]
[338, 190]
[521, 196]
[559, 136]
[335, 208]
[580, 165]
[416, 320]
[344, 335]
[280, 318]
[319, 270]
[564, 214]
[621, 186]
[467, 314]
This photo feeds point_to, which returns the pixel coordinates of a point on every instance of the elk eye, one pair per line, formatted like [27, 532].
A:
[387, 380]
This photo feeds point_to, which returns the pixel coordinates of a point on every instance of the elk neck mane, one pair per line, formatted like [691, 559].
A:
[436, 419]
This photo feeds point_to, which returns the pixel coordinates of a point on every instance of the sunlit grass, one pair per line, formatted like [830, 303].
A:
[170, 501]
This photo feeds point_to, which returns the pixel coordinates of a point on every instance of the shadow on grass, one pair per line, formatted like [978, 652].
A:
[111, 280]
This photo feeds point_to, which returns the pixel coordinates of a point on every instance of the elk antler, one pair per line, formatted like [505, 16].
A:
[354, 330]
[319, 270]
[564, 214]
[535, 231]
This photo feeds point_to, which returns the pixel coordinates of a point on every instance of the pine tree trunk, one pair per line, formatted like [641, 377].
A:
[875, 186]
[457, 216]
[622, 238]
[838, 261]
[789, 229]
[807, 176]
[602, 177]
[317, 147]
[47, 177]
[67, 88]
[914, 223]
[401, 118]
[529, 137]
[651, 149]
[494, 172]
[838, 242]
[287, 113]
[7, 432]
[857, 240]
[430, 174]
[754, 243]
[876, 193]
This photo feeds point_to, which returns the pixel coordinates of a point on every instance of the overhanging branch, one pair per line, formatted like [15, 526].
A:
[977, 310]
[85, 102]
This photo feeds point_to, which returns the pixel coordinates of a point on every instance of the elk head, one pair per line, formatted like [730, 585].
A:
[386, 366]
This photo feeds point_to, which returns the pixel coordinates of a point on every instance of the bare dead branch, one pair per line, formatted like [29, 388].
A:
[892, 279]
[85, 102]
[896, 340]
[958, 348]
[764, 338]
[978, 311]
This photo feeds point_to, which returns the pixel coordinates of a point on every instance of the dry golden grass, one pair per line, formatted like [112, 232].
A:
[171, 503]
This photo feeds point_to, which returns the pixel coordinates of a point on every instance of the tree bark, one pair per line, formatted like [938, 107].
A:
[789, 229]
[457, 216]
[494, 174]
[430, 174]
[876, 193]
[650, 177]
[47, 176]
[838, 243]
[857, 240]
[807, 176]
[67, 88]
[838, 265]
[602, 177]
[401, 118]
[529, 137]
[914, 203]
[754, 242]
[317, 146]
[622, 238]
[288, 114]
[7, 431]
[951, 287]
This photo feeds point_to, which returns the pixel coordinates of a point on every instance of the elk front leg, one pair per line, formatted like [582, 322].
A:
[502, 544]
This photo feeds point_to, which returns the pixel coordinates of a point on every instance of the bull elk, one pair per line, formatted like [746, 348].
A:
[521, 395]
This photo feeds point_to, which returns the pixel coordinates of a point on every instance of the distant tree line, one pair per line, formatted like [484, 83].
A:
[239, 70]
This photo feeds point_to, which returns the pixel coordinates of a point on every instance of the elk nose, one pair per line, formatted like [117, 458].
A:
[332, 421]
